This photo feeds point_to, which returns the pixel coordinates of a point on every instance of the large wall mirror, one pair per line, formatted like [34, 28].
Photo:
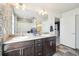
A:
[24, 19]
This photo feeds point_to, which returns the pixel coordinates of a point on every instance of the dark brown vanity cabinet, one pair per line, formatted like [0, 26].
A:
[38, 47]
[19, 49]
[49, 46]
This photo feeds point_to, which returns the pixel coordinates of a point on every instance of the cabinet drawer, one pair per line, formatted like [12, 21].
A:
[39, 53]
[38, 49]
[38, 41]
[38, 45]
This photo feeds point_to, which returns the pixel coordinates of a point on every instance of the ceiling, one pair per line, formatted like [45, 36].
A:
[50, 7]
[56, 7]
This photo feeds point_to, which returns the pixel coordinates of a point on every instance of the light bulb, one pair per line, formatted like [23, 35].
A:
[45, 12]
[40, 12]
[17, 6]
[23, 7]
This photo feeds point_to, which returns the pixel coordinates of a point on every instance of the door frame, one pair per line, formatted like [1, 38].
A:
[75, 32]
[57, 34]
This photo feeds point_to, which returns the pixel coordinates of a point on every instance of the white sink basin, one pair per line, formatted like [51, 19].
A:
[20, 38]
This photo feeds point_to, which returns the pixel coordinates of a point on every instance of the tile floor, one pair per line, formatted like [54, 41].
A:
[62, 50]
[0, 53]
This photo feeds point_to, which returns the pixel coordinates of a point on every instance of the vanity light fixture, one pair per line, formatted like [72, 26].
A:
[22, 6]
[43, 12]
[17, 6]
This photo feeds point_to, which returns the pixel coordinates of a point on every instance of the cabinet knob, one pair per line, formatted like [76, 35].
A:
[39, 40]
[39, 44]
[39, 53]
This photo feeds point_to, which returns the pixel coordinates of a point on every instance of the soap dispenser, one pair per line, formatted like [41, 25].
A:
[51, 28]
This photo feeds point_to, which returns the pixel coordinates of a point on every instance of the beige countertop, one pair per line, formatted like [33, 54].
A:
[28, 37]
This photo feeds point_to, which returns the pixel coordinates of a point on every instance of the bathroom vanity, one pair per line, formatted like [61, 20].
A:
[32, 46]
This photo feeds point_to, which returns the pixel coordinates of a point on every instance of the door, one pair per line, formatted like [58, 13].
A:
[28, 51]
[77, 30]
[67, 30]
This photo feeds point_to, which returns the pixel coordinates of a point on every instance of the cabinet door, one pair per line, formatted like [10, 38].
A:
[49, 46]
[16, 52]
[28, 51]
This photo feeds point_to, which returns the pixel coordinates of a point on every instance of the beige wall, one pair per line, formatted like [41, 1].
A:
[7, 18]
[7, 14]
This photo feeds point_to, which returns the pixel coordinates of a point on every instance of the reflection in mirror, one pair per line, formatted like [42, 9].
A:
[24, 19]
[23, 25]
[44, 15]
[29, 20]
